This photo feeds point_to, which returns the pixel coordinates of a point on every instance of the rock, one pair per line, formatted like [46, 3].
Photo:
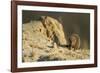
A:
[41, 34]
[54, 30]
[55, 45]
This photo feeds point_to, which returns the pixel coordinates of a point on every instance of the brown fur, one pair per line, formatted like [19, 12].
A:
[75, 41]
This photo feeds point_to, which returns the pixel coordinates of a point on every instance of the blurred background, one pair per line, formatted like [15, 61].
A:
[72, 23]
